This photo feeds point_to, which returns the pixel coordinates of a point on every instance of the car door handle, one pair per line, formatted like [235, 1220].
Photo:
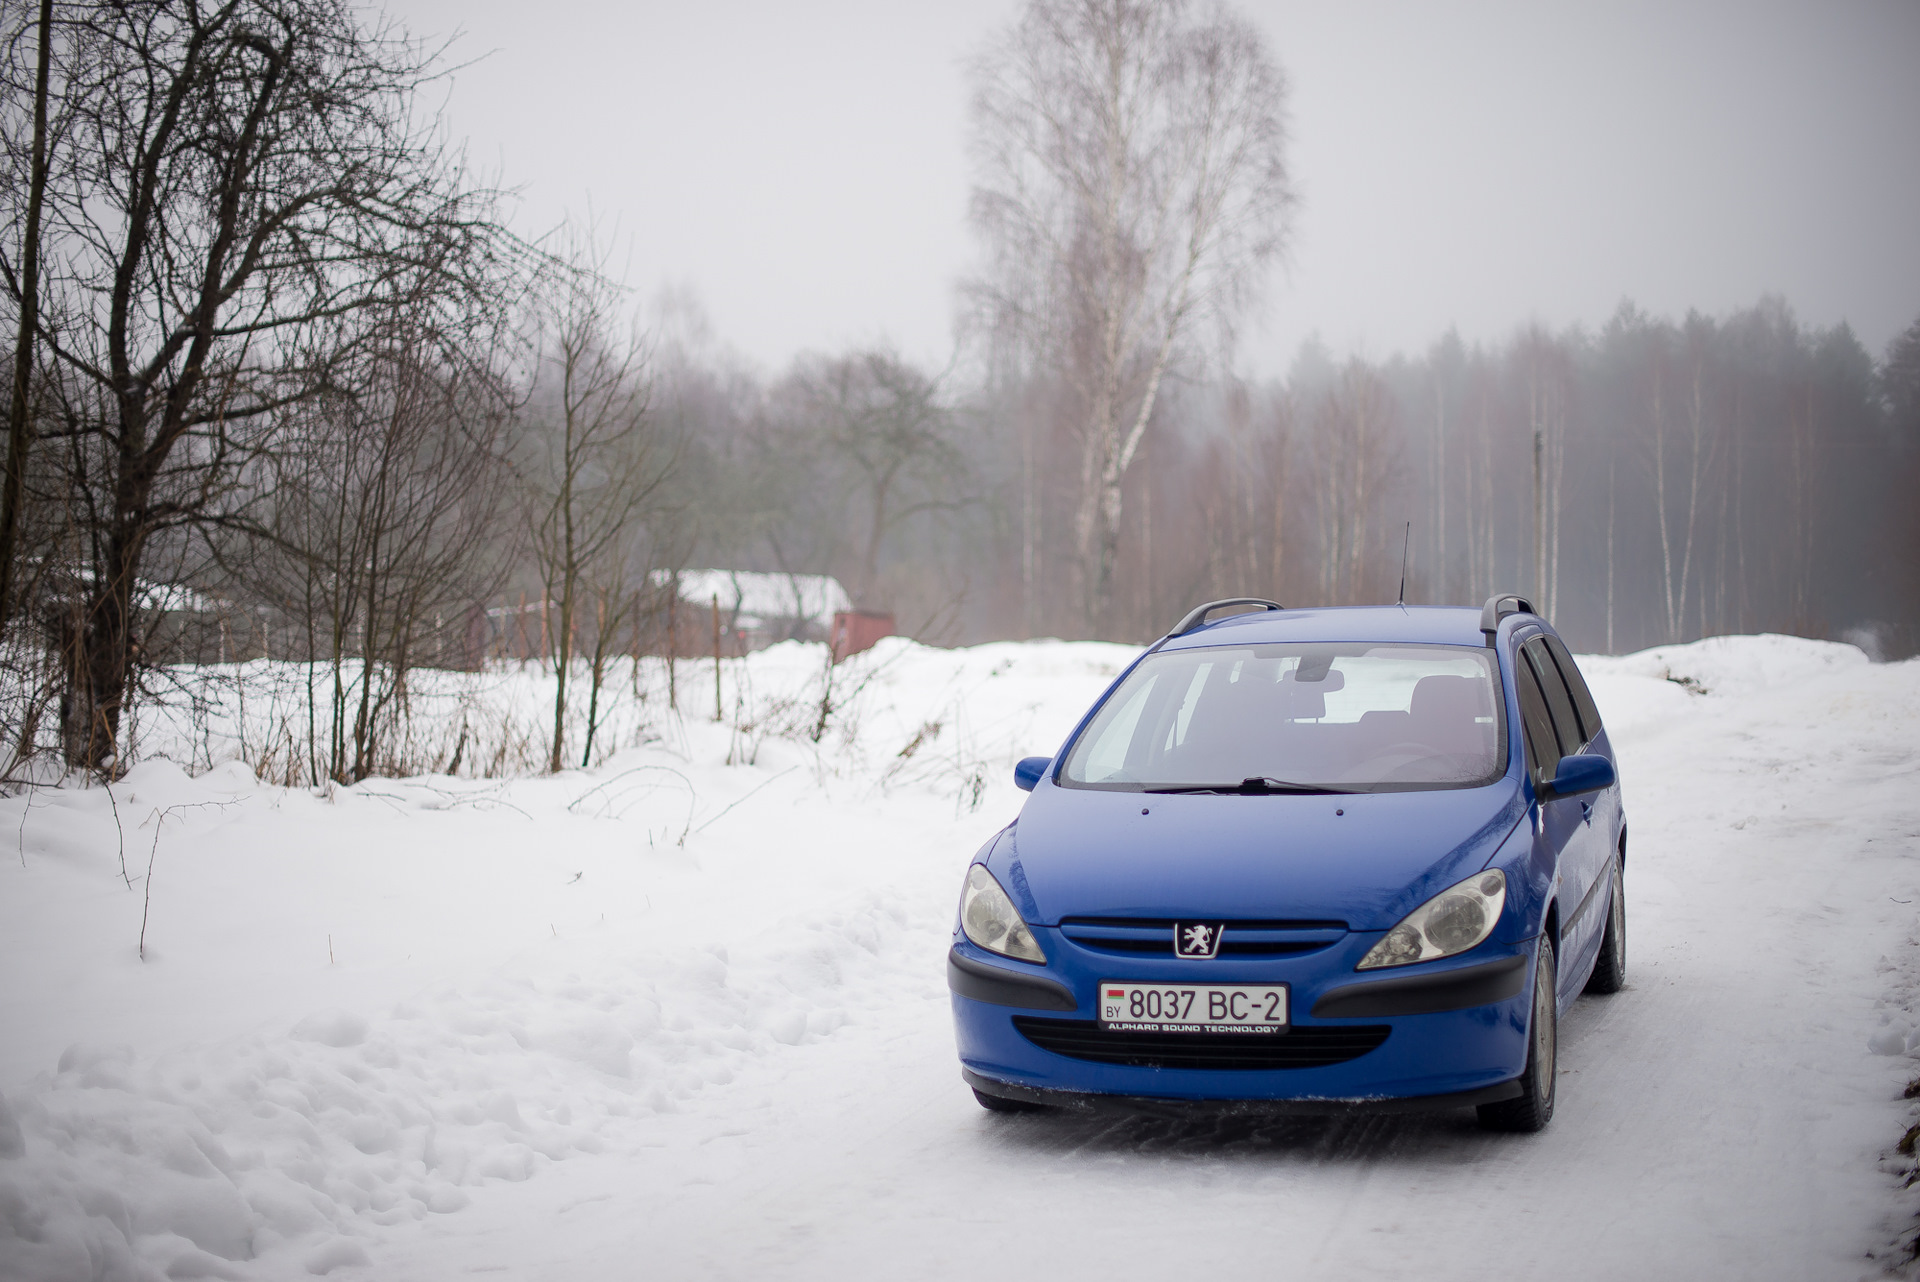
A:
[1586, 812]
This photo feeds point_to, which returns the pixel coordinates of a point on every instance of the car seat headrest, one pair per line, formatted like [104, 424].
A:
[1440, 698]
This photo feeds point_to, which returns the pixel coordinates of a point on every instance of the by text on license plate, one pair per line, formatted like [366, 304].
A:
[1193, 1008]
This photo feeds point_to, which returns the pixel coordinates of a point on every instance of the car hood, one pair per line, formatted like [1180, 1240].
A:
[1364, 859]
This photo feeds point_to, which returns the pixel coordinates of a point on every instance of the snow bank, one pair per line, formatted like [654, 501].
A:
[1654, 687]
[363, 1009]
[494, 724]
[356, 1005]
[1733, 666]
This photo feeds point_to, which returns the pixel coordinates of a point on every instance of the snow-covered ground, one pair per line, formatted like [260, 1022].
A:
[676, 1017]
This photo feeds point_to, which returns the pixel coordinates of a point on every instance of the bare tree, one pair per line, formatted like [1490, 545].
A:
[880, 422]
[233, 175]
[598, 462]
[1132, 180]
[386, 527]
[400, 490]
[1899, 382]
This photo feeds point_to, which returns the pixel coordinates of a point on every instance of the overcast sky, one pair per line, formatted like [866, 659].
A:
[801, 169]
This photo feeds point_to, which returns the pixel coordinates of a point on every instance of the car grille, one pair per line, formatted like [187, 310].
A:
[1302, 1046]
[1130, 936]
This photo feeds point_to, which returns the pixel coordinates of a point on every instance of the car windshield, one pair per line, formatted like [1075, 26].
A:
[1297, 718]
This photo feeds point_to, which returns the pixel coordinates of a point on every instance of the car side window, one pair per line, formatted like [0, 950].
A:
[1577, 687]
[1559, 702]
[1543, 748]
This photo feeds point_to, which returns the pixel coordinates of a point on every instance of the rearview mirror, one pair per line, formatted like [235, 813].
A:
[1028, 770]
[1579, 773]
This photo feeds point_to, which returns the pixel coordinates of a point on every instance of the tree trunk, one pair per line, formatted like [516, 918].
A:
[1697, 426]
[1671, 621]
[18, 436]
[1539, 491]
[96, 707]
[562, 661]
[596, 677]
[870, 556]
[1556, 471]
[96, 699]
[1610, 475]
[1029, 530]
[1440, 585]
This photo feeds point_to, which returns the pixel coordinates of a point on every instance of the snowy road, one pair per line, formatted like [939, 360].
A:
[1714, 1122]
[788, 1105]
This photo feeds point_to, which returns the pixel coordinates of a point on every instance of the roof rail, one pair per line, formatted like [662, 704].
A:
[1198, 615]
[1498, 607]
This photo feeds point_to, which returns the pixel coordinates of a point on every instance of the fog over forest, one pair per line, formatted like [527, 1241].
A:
[1698, 476]
[291, 383]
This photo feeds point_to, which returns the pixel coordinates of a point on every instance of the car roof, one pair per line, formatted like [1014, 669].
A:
[1434, 625]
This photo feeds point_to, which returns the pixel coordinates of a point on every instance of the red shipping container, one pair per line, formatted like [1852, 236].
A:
[857, 630]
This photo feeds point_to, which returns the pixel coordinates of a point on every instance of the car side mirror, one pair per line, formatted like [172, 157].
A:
[1581, 773]
[1028, 771]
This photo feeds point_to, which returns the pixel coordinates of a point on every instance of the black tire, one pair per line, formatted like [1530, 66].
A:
[1534, 1107]
[1610, 968]
[1000, 1104]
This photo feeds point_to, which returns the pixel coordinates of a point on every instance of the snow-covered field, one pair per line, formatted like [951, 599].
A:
[678, 1018]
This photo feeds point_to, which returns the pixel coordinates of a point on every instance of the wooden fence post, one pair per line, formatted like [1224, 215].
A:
[718, 715]
[634, 671]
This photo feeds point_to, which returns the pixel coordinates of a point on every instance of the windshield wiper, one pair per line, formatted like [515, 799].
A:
[1254, 786]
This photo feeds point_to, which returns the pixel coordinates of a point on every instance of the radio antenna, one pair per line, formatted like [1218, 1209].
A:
[1404, 543]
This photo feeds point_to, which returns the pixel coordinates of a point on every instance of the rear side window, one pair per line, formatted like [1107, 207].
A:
[1543, 747]
[1559, 702]
[1577, 687]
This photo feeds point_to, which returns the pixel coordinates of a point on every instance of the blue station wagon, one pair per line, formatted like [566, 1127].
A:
[1303, 860]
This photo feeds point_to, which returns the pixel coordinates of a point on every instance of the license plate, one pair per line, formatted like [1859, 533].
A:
[1193, 1008]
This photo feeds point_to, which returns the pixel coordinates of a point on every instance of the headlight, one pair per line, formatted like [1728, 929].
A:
[1451, 922]
[990, 920]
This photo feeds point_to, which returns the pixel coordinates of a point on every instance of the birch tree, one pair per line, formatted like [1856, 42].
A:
[1546, 366]
[1355, 455]
[1132, 183]
[1677, 529]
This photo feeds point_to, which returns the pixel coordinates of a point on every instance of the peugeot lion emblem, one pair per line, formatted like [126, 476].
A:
[1196, 939]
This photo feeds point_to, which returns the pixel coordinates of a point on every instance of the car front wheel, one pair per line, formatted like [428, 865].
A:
[1533, 1109]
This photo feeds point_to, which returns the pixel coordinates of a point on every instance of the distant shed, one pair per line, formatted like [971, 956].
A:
[857, 630]
[757, 608]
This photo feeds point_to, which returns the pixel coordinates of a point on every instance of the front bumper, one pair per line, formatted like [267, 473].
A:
[1435, 1035]
[1092, 1102]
